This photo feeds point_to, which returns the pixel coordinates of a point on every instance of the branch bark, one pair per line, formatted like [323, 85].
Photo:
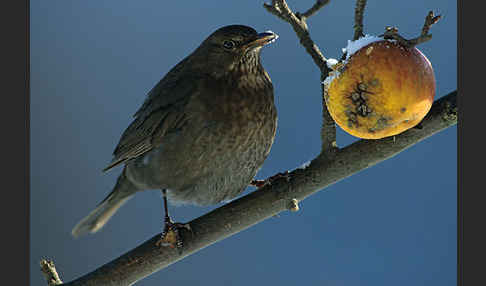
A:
[358, 19]
[282, 194]
[312, 10]
[298, 23]
[50, 272]
[430, 19]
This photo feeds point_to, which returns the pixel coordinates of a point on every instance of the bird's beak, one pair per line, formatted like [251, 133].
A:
[263, 39]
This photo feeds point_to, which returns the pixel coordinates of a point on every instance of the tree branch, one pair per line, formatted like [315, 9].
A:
[312, 10]
[280, 9]
[430, 19]
[298, 23]
[282, 194]
[329, 146]
[358, 19]
[49, 270]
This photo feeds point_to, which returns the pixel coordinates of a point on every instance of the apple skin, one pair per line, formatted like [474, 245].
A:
[382, 90]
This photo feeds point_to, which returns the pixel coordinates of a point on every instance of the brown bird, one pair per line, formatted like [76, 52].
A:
[203, 131]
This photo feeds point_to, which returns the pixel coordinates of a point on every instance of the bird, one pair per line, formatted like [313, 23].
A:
[202, 133]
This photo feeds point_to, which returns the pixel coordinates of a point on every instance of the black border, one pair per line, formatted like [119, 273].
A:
[15, 118]
[471, 159]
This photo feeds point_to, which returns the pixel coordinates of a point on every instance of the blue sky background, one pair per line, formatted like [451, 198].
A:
[92, 62]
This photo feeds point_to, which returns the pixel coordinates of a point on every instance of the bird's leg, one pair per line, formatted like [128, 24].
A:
[171, 234]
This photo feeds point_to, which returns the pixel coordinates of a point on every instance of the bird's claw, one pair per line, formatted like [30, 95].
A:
[171, 235]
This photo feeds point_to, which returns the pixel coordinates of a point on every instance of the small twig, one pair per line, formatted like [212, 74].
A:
[429, 21]
[49, 270]
[273, 10]
[312, 10]
[358, 19]
[392, 32]
[280, 9]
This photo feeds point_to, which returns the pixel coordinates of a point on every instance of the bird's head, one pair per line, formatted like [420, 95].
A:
[231, 46]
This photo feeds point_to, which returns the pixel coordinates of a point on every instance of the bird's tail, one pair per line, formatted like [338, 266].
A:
[96, 219]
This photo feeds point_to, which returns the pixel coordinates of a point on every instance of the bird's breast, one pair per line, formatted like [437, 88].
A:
[241, 107]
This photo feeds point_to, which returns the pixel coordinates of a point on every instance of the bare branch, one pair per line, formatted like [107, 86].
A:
[282, 194]
[273, 10]
[49, 270]
[429, 21]
[392, 32]
[282, 10]
[329, 146]
[358, 19]
[312, 10]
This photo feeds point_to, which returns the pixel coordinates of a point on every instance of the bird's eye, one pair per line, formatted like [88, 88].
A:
[228, 44]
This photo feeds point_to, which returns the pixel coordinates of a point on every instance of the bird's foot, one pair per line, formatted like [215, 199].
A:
[171, 236]
[268, 181]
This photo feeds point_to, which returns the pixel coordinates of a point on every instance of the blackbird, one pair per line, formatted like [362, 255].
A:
[202, 132]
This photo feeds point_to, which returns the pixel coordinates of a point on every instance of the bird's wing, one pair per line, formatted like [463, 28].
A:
[161, 113]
